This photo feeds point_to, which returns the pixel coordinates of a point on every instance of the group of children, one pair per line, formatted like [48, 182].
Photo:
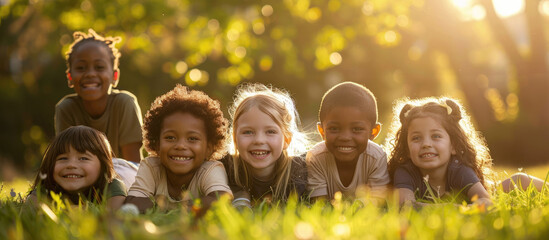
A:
[434, 151]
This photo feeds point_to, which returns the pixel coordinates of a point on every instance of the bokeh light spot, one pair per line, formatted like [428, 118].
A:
[267, 10]
[195, 75]
[150, 227]
[303, 230]
[335, 58]
[181, 67]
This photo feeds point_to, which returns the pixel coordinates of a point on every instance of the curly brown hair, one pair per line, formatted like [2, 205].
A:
[185, 100]
[470, 146]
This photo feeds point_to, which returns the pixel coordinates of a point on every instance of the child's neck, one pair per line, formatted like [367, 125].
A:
[176, 183]
[96, 108]
[346, 171]
[265, 174]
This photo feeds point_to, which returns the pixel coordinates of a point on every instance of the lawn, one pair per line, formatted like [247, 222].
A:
[515, 215]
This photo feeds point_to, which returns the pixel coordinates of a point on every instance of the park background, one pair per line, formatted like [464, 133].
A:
[492, 55]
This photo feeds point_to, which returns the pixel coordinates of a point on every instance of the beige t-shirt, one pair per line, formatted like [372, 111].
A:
[151, 181]
[370, 173]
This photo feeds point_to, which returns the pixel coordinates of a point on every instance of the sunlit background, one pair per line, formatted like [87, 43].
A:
[492, 55]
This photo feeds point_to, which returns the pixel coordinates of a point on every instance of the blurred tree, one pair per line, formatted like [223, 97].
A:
[514, 116]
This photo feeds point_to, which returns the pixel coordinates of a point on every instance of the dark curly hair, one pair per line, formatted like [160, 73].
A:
[470, 146]
[81, 38]
[185, 100]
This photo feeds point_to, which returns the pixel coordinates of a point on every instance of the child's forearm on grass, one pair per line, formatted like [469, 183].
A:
[478, 193]
[114, 203]
[142, 203]
[32, 199]
[319, 198]
[207, 202]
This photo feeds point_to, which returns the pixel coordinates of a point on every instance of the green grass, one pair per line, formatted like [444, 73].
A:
[515, 215]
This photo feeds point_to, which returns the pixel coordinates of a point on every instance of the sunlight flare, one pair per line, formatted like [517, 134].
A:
[507, 8]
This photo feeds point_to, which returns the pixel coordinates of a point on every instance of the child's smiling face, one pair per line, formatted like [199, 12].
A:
[429, 144]
[183, 143]
[259, 140]
[75, 171]
[92, 72]
[346, 131]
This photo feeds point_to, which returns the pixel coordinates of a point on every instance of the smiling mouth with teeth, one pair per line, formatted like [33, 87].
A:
[345, 149]
[428, 155]
[259, 153]
[90, 85]
[181, 158]
[72, 176]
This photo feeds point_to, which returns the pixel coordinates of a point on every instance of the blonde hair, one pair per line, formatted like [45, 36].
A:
[470, 147]
[278, 105]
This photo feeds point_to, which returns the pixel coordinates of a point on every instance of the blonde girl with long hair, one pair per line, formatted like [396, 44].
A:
[267, 148]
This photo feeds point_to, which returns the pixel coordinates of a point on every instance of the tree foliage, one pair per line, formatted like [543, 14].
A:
[396, 48]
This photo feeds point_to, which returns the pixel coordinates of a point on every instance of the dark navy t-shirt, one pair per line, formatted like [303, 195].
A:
[459, 179]
[259, 189]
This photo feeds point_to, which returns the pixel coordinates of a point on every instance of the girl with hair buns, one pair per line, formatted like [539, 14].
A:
[437, 153]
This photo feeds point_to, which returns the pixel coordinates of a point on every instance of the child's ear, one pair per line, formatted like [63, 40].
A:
[375, 131]
[115, 77]
[209, 151]
[320, 130]
[70, 83]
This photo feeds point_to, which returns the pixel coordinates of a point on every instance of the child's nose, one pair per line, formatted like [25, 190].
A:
[91, 72]
[426, 143]
[71, 164]
[181, 144]
[346, 134]
[259, 138]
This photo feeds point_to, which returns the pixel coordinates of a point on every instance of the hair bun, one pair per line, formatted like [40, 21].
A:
[456, 111]
[404, 113]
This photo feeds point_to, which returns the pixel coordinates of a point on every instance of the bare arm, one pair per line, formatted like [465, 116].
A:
[114, 203]
[142, 203]
[522, 181]
[32, 199]
[483, 197]
[319, 198]
[407, 197]
[207, 202]
[132, 152]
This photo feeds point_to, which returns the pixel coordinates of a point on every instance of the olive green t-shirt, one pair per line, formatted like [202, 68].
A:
[121, 122]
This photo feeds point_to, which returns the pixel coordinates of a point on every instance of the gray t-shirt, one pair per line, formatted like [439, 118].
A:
[370, 173]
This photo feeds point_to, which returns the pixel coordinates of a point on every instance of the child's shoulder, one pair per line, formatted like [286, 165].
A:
[299, 161]
[374, 150]
[211, 164]
[122, 95]
[151, 162]
[318, 149]
[67, 100]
